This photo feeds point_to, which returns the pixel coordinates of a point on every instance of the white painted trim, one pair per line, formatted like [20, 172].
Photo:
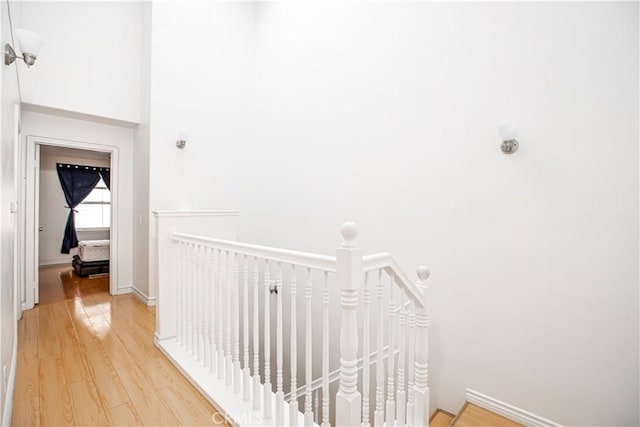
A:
[508, 411]
[146, 300]
[30, 238]
[236, 411]
[43, 109]
[11, 383]
[194, 213]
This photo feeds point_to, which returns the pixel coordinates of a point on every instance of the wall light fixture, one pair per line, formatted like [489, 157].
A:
[30, 44]
[508, 134]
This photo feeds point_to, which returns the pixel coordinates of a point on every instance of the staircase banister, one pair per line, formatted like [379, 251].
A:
[384, 260]
[304, 259]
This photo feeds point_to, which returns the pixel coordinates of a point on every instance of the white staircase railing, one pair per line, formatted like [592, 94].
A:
[247, 324]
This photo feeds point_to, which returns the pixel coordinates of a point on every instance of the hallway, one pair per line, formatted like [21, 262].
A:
[89, 359]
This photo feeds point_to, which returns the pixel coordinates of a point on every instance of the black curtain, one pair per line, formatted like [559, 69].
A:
[77, 182]
[106, 177]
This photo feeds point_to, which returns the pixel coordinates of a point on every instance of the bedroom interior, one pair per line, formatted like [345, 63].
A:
[298, 116]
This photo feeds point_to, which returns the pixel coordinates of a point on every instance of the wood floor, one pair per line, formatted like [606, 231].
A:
[86, 358]
[474, 416]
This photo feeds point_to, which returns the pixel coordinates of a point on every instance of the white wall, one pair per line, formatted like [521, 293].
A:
[207, 93]
[90, 61]
[141, 212]
[8, 196]
[386, 114]
[53, 215]
[66, 128]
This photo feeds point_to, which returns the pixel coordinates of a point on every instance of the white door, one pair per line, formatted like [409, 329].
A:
[32, 225]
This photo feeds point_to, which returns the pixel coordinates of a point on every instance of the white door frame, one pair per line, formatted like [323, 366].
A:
[31, 211]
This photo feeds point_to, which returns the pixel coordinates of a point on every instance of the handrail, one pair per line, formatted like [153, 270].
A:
[384, 260]
[304, 259]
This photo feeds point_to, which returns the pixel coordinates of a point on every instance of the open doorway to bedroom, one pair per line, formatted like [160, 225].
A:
[70, 220]
[71, 267]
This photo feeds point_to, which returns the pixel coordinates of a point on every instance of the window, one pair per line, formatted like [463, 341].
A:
[95, 209]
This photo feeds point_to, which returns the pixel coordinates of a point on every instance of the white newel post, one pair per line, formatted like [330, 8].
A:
[164, 277]
[349, 277]
[421, 411]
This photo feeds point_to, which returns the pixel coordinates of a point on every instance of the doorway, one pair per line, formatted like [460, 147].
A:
[40, 246]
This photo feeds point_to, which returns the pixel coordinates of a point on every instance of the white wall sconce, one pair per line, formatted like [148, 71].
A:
[508, 134]
[29, 43]
[182, 141]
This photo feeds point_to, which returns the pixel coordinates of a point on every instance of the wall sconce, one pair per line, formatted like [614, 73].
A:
[182, 141]
[30, 44]
[508, 134]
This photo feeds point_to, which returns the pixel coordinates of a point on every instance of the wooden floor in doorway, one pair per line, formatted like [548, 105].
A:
[86, 358]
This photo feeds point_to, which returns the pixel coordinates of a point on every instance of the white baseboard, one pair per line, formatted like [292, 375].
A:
[7, 410]
[146, 300]
[508, 411]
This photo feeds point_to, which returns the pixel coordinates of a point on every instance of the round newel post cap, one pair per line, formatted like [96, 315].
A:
[349, 231]
[423, 272]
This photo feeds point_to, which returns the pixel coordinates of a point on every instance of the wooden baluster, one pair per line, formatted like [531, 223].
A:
[228, 358]
[198, 301]
[190, 317]
[267, 345]
[293, 401]
[366, 330]
[391, 406]
[211, 301]
[308, 412]
[325, 351]
[256, 335]
[411, 325]
[220, 312]
[421, 389]
[316, 405]
[379, 412]
[235, 294]
[246, 370]
[401, 395]
[349, 280]
[179, 291]
[206, 343]
[279, 350]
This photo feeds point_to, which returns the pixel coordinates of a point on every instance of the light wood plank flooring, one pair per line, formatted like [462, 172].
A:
[475, 416]
[86, 358]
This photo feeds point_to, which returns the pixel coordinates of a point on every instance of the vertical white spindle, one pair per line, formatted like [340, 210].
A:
[421, 388]
[267, 344]
[220, 307]
[179, 291]
[391, 406]
[308, 412]
[246, 370]
[349, 280]
[379, 412]
[235, 293]
[293, 402]
[228, 358]
[198, 302]
[366, 330]
[206, 287]
[411, 348]
[190, 308]
[325, 351]
[279, 350]
[316, 406]
[401, 395]
[211, 308]
[256, 335]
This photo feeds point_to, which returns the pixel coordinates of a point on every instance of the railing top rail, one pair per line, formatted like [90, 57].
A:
[285, 256]
[384, 260]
